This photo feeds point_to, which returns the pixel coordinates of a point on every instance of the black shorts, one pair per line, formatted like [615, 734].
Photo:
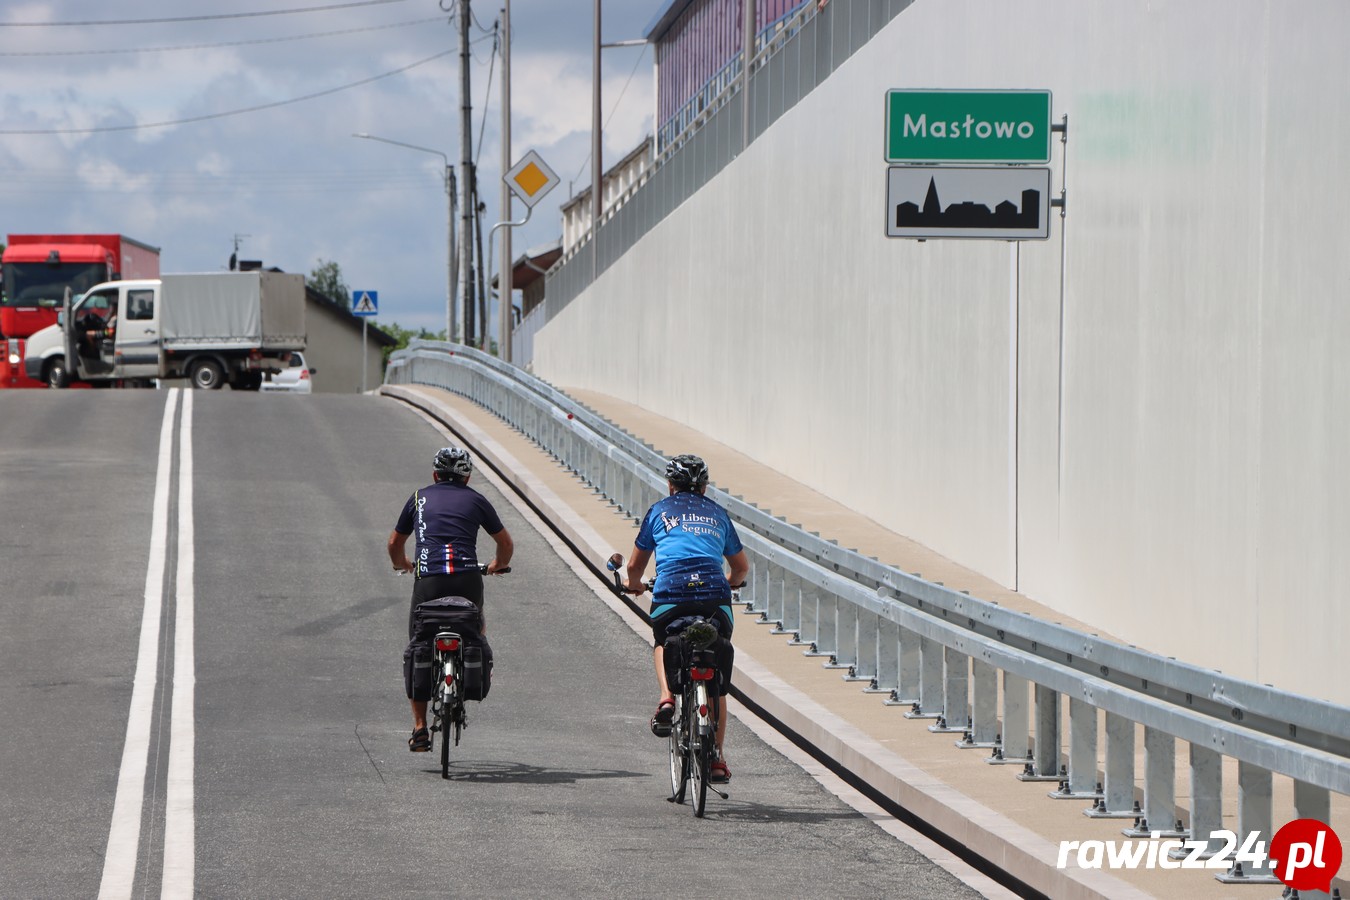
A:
[663, 614]
[468, 585]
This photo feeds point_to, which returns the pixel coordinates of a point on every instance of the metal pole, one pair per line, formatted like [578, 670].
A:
[364, 323]
[452, 275]
[504, 286]
[466, 148]
[597, 171]
[747, 52]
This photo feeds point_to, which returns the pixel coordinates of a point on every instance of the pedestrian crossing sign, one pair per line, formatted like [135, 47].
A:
[365, 303]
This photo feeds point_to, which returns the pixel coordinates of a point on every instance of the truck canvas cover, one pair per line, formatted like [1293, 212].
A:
[234, 310]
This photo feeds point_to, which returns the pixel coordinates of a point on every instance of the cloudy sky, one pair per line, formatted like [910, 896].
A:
[86, 90]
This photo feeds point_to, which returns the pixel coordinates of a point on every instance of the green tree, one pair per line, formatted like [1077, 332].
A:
[403, 335]
[327, 280]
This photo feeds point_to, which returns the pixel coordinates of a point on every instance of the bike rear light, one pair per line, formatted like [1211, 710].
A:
[699, 674]
[447, 645]
[703, 710]
[449, 677]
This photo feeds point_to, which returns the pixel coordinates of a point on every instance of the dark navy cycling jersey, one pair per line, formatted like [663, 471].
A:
[445, 519]
[690, 534]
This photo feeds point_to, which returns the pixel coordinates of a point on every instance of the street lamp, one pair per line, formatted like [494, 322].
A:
[449, 179]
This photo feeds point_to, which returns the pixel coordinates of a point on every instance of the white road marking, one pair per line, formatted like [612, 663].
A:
[179, 821]
[119, 859]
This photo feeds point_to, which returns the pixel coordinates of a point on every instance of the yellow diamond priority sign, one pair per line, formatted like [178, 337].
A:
[530, 179]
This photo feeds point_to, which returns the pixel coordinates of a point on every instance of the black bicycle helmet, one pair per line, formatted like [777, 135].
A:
[452, 463]
[687, 472]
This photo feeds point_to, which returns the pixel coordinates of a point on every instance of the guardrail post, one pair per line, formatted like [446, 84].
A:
[955, 718]
[930, 681]
[827, 624]
[790, 613]
[1206, 798]
[1254, 817]
[1014, 747]
[1311, 802]
[906, 691]
[1081, 783]
[1118, 795]
[864, 667]
[808, 625]
[887, 677]
[1045, 764]
[1160, 797]
[770, 602]
[845, 655]
[984, 725]
[752, 595]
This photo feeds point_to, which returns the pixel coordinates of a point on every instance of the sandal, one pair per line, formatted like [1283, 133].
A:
[420, 742]
[719, 773]
[665, 714]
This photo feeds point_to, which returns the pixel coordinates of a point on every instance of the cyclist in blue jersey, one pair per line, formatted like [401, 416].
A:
[690, 536]
[446, 516]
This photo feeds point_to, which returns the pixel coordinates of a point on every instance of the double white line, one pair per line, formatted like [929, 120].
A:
[119, 860]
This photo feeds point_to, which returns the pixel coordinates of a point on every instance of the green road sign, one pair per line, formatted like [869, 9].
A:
[968, 126]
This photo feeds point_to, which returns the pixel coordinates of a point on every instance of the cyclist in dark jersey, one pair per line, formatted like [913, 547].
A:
[446, 515]
[690, 536]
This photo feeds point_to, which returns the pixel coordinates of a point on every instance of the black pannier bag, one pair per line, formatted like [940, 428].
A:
[417, 670]
[465, 619]
[679, 656]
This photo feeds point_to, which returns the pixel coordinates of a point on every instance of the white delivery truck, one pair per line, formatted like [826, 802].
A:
[215, 328]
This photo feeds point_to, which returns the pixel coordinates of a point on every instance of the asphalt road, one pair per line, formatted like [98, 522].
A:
[301, 784]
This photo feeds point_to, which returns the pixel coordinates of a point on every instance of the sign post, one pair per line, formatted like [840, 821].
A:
[365, 304]
[529, 179]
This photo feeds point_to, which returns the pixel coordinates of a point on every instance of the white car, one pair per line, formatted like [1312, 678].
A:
[294, 379]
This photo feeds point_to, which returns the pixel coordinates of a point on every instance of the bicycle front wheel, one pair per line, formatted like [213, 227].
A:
[679, 759]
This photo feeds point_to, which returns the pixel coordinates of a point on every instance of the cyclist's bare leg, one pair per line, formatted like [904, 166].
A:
[419, 711]
[721, 724]
[659, 655]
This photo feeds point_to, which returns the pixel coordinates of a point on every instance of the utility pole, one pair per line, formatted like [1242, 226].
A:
[597, 170]
[504, 287]
[466, 143]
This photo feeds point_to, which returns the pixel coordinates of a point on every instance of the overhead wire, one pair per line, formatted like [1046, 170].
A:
[612, 111]
[234, 112]
[487, 94]
[276, 40]
[202, 18]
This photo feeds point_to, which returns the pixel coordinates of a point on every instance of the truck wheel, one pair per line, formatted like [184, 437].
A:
[207, 375]
[54, 373]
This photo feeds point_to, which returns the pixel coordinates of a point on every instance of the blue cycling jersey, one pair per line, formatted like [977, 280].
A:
[690, 535]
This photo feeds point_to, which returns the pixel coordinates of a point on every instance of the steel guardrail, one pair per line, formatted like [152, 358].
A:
[921, 641]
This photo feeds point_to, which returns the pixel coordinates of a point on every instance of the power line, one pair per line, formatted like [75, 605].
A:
[612, 111]
[205, 18]
[233, 112]
[297, 37]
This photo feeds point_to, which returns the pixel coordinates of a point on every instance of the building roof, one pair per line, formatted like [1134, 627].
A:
[665, 17]
[343, 312]
[526, 268]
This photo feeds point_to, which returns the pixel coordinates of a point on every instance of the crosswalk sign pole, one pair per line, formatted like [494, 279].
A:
[364, 323]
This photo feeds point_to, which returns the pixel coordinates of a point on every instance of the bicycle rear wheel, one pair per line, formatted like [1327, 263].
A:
[701, 742]
[679, 758]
